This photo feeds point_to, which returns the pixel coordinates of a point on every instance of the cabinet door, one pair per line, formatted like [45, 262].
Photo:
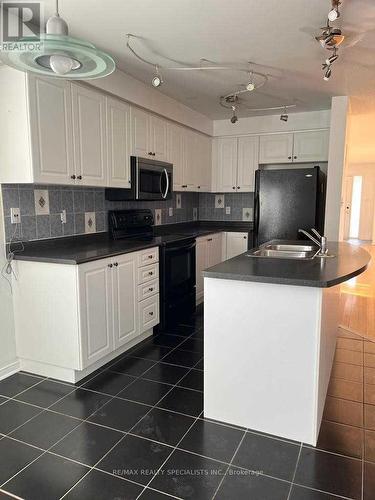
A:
[226, 165]
[158, 136]
[125, 317]
[140, 132]
[50, 102]
[89, 126]
[189, 172]
[118, 135]
[214, 249]
[236, 244]
[248, 154]
[276, 148]
[175, 154]
[311, 146]
[95, 310]
[203, 162]
[201, 264]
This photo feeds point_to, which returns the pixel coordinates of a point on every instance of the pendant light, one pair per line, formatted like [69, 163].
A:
[61, 55]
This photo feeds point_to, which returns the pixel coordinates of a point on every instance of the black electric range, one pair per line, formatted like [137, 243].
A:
[177, 262]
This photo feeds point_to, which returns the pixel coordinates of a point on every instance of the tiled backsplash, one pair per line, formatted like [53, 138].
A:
[87, 210]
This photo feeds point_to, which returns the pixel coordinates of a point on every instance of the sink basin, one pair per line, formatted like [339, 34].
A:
[285, 250]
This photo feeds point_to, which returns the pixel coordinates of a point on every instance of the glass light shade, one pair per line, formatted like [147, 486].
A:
[85, 60]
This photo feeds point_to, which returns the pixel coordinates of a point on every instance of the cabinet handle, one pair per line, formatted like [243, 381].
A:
[79, 177]
[150, 273]
[73, 176]
[150, 289]
[245, 237]
[184, 186]
[151, 313]
[238, 187]
[209, 239]
[295, 157]
[110, 265]
[198, 187]
[289, 157]
[150, 256]
[234, 187]
[115, 264]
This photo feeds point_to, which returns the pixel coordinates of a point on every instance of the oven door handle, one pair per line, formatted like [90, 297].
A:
[167, 184]
[181, 247]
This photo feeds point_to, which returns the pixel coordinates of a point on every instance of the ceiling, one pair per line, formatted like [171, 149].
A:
[275, 33]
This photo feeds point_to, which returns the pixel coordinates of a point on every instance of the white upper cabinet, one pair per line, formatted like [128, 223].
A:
[89, 135]
[176, 154]
[294, 147]
[158, 136]
[225, 164]
[190, 178]
[118, 133]
[50, 104]
[311, 146]
[248, 156]
[276, 148]
[140, 132]
[203, 162]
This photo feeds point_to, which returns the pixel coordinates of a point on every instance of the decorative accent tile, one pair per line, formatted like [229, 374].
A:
[247, 214]
[157, 216]
[41, 198]
[178, 201]
[219, 201]
[90, 222]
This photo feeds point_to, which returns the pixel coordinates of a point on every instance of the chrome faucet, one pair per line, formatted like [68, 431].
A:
[321, 241]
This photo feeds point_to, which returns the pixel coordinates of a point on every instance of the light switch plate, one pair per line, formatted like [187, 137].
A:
[195, 213]
[157, 216]
[90, 222]
[227, 210]
[247, 214]
[219, 201]
[41, 198]
[170, 211]
[178, 201]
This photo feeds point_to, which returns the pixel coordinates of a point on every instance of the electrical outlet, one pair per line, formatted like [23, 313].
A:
[227, 210]
[63, 216]
[170, 211]
[15, 216]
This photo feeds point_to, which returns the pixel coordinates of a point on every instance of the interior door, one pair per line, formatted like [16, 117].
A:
[125, 317]
[346, 205]
[95, 307]
[89, 126]
[50, 102]
[118, 129]
[367, 207]
[248, 156]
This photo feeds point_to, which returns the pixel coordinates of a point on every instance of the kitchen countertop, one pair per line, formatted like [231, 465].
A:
[350, 261]
[87, 248]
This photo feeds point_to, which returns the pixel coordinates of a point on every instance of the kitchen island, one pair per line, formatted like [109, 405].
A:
[270, 337]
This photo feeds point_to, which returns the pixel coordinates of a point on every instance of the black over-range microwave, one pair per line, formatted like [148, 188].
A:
[150, 180]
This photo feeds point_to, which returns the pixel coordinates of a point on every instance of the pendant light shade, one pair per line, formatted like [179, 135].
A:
[61, 55]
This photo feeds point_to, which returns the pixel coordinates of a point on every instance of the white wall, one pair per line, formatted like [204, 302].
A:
[137, 92]
[336, 163]
[272, 123]
[8, 361]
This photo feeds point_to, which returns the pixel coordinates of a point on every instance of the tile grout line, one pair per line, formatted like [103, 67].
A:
[295, 471]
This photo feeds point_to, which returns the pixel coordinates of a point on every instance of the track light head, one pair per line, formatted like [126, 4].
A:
[327, 74]
[157, 79]
[250, 86]
[331, 60]
[284, 116]
[234, 118]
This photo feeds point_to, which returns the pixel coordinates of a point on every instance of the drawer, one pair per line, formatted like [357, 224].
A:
[148, 313]
[148, 273]
[148, 256]
[147, 290]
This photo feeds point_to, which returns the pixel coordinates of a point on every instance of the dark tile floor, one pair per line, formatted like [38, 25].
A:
[135, 429]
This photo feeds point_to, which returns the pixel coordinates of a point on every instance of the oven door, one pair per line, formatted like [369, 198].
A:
[153, 180]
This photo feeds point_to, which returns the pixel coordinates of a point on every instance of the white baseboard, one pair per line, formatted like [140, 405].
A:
[8, 370]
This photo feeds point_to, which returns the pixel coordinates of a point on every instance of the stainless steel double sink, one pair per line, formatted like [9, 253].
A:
[285, 250]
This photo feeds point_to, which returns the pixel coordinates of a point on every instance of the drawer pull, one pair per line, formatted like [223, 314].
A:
[150, 256]
[115, 264]
[151, 313]
[150, 273]
[209, 239]
[79, 177]
[150, 289]
[110, 265]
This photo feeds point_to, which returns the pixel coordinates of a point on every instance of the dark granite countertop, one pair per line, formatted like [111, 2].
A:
[87, 248]
[349, 261]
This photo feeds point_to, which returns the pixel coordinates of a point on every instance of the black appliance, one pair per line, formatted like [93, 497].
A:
[287, 200]
[150, 180]
[176, 262]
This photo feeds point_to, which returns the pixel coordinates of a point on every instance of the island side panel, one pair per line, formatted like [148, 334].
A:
[262, 356]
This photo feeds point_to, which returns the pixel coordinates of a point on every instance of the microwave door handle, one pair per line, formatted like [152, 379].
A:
[167, 184]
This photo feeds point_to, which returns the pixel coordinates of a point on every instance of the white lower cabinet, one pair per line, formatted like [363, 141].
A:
[236, 244]
[78, 317]
[208, 254]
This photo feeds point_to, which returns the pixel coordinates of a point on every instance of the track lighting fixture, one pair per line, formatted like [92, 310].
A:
[330, 60]
[157, 79]
[284, 116]
[234, 118]
[334, 13]
[327, 74]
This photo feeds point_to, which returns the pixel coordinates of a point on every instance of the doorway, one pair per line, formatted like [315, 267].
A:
[359, 207]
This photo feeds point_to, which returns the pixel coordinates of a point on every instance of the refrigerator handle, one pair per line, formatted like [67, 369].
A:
[256, 208]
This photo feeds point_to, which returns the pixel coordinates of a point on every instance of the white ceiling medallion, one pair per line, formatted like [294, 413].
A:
[61, 55]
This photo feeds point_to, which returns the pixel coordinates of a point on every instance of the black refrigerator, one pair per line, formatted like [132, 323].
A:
[286, 200]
